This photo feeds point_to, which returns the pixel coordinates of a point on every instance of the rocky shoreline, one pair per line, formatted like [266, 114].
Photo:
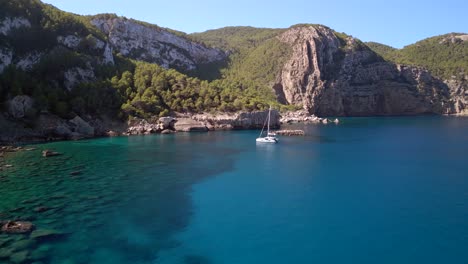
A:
[221, 122]
[47, 127]
[304, 117]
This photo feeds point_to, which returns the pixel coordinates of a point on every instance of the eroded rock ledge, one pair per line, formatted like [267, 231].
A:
[303, 116]
[203, 122]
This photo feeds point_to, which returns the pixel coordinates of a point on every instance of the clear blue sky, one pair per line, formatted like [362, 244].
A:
[392, 22]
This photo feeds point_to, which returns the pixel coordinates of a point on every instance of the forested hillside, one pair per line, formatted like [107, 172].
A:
[446, 56]
[67, 75]
[108, 65]
[256, 55]
[381, 49]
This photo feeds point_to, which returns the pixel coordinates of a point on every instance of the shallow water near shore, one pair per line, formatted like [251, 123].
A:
[370, 190]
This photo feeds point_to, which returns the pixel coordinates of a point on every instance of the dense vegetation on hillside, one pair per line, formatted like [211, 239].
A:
[152, 90]
[445, 56]
[142, 90]
[240, 39]
[128, 88]
[132, 88]
[383, 50]
[256, 55]
[47, 22]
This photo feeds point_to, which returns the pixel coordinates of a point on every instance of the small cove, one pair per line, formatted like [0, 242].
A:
[386, 190]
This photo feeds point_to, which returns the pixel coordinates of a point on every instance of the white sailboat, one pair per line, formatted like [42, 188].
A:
[270, 137]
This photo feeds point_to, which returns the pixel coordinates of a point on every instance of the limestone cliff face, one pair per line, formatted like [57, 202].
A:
[327, 76]
[241, 120]
[98, 51]
[155, 45]
[8, 24]
[459, 95]
[302, 76]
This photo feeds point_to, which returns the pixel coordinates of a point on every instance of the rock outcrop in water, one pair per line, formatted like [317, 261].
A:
[17, 227]
[329, 76]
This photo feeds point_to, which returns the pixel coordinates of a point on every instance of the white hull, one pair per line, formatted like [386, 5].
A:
[271, 137]
[267, 140]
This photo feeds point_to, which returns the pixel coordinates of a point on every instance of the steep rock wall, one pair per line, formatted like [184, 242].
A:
[329, 76]
[155, 45]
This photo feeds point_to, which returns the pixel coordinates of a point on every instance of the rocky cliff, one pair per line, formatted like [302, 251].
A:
[62, 75]
[156, 45]
[130, 38]
[340, 76]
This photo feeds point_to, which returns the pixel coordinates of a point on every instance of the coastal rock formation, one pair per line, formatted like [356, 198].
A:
[49, 153]
[77, 75]
[46, 127]
[108, 57]
[46, 234]
[17, 227]
[452, 38]
[6, 26]
[90, 42]
[167, 122]
[82, 127]
[70, 41]
[301, 77]
[303, 116]
[241, 120]
[6, 56]
[10, 23]
[153, 44]
[19, 106]
[143, 127]
[26, 62]
[328, 75]
[459, 95]
[189, 125]
[204, 122]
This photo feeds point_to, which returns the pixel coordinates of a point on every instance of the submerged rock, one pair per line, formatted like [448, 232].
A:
[167, 131]
[40, 253]
[50, 153]
[5, 253]
[19, 257]
[4, 240]
[17, 227]
[41, 209]
[23, 244]
[46, 234]
[112, 133]
[76, 173]
[17, 209]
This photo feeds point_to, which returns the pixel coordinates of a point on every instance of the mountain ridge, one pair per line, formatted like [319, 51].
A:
[105, 66]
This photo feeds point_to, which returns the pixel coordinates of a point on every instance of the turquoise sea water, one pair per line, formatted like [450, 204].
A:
[370, 190]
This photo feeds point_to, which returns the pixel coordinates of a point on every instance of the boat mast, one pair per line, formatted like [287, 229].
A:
[269, 113]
